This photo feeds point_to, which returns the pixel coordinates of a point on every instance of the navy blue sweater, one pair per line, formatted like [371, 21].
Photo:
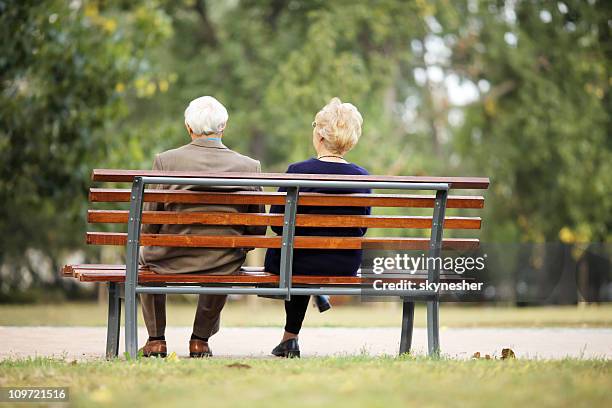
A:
[322, 261]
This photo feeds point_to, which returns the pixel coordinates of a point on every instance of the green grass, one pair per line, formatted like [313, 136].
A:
[270, 313]
[323, 382]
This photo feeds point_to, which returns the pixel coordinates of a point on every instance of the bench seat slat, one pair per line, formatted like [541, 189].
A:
[105, 195]
[68, 269]
[248, 275]
[115, 175]
[302, 220]
[260, 241]
[89, 275]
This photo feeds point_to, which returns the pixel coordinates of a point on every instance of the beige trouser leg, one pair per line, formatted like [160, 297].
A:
[207, 317]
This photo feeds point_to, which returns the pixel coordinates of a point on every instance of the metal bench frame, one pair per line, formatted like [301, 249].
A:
[284, 288]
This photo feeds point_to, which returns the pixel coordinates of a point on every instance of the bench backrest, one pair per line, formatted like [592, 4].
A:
[115, 195]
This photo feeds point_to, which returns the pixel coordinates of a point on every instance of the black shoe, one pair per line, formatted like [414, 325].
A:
[322, 303]
[289, 349]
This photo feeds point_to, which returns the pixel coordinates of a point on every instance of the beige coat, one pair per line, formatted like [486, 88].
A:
[201, 155]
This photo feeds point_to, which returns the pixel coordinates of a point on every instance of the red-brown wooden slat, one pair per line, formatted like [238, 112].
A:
[274, 198]
[67, 270]
[114, 175]
[88, 273]
[260, 241]
[302, 220]
[99, 268]
[92, 275]
[111, 267]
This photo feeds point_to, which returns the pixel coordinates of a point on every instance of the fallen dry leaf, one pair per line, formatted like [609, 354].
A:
[172, 357]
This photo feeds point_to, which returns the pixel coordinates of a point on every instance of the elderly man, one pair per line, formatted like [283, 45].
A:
[205, 120]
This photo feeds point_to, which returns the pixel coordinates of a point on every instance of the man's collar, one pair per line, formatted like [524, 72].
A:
[209, 141]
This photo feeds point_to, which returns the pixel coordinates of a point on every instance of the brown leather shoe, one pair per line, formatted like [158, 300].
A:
[199, 349]
[154, 348]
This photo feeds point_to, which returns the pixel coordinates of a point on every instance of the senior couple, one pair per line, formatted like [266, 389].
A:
[336, 130]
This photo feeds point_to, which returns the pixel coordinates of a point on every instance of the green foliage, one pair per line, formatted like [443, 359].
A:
[542, 131]
[61, 66]
[275, 64]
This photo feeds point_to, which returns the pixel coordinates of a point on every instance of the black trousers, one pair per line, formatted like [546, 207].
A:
[295, 311]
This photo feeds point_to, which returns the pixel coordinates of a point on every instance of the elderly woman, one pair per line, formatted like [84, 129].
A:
[337, 128]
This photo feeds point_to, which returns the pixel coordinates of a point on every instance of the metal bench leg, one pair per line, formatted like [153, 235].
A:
[114, 320]
[131, 270]
[433, 327]
[407, 326]
[131, 323]
[433, 274]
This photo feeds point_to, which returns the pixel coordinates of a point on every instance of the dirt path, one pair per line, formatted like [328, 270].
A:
[88, 342]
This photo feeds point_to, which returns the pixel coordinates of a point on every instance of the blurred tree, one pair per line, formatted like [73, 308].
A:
[541, 128]
[275, 63]
[63, 66]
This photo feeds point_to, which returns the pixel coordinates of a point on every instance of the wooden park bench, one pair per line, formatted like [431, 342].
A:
[126, 281]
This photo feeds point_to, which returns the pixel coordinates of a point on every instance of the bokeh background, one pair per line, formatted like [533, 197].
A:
[518, 91]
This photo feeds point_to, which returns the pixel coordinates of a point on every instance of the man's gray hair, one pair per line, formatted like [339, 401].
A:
[206, 115]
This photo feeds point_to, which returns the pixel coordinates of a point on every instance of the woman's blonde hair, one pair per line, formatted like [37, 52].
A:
[339, 124]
